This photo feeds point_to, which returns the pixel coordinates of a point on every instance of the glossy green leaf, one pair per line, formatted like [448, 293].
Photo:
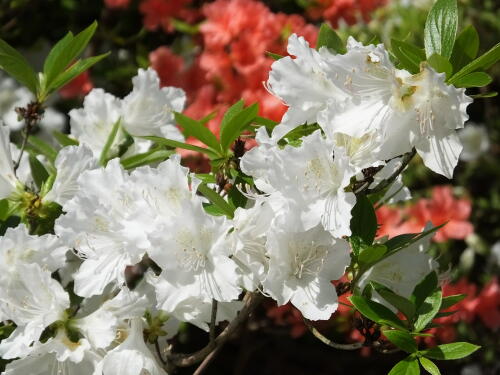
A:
[177, 144]
[194, 128]
[370, 254]
[104, 157]
[466, 48]
[236, 124]
[399, 302]
[16, 65]
[440, 64]
[43, 148]
[64, 140]
[424, 289]
[400, 241]
[408, 55]
[483, 62]
[441, 28]
[274, 56]
[403, 340]
[153, 156]
[65, 52]
[231, 112]
[485, 95]
[376, 312]
[74, 70]
[4, 209]
[328, 38]
[364, 220]
[38, 171]
[216, 199]
[429, 366]
[451, 351]
[408, 366]
[476, 79]
[449, 301]
[428, 310]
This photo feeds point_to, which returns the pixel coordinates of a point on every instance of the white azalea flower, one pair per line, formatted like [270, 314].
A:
[249, 235]
[70, 163]
[301, 268]
[18, 247]
[106, 223]
[370, 95]
[475, 142]
[132, 357]
[57, 356]
[33, 301]
[93, 123]
[8, 179]
[310, 178]
[184, 307]
[148, 109]
[192, 250]
[402, 271]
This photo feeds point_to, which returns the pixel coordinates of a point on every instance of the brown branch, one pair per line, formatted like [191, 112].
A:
[330, 343]
[213, 319]
[251, 301]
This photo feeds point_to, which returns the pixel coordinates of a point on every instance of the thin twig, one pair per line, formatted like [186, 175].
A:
[158, 350]
[213, 319]
[208, 359]
[406, 158]
[251, 301]
[21, 152]
[330, 343]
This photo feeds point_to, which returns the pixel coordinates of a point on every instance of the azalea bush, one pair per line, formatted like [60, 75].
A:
[263, 172]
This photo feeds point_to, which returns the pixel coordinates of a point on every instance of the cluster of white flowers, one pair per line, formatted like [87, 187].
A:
[289, 243]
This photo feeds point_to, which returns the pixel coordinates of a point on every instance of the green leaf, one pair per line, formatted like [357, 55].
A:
[441, 28]
[370, 254]
[216, 199]
[403, 340]
[269, 124]
[399, 302]
[408, 366]
[428, 310]
[38, 171]
[465, 49]
[424, 289]
[408, 55]
[73, 71]
[364, 220]
[213, 210]
[376, 312]
[104, 157]
[486, 95]
[440, 64]
[4, 209]
[476, 79]
[43, 148]
[400, 241]
[64, 140]
[194, 128]
[274, 56]
[327, 37]
[231, 112]
[429, 366]
[16, 65]
[482, 62]
[146, 158]
[449, 301]
[64, 52]
[451, 351]
[236, 124]
[186, 146]
[206, 178]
